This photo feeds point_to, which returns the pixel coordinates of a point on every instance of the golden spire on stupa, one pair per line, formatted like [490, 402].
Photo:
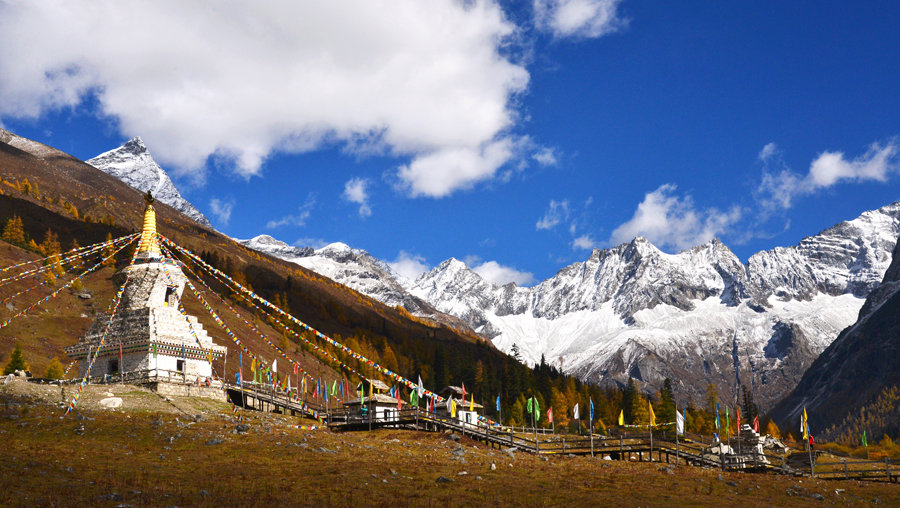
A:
[149, 242]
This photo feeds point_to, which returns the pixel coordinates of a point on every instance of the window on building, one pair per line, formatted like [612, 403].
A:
[170, 297]
[179, 365]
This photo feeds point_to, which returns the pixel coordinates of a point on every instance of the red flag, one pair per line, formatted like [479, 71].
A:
[296, 367]
[120, 351]
[464, 391]
[550, 415]
[737, 411]
[399, 403]
[756, 424]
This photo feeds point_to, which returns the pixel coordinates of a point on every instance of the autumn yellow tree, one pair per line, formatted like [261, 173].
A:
[14, 231]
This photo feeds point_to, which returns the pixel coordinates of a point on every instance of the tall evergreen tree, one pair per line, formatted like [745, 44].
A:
[629, 394]
[16, 361]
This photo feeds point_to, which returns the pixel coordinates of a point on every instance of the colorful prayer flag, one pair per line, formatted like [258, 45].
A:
[864, 443]
[421, 388]
[498, 403]
[528, 407]
[592, 411]
[679, 423]
[464, 392]
[471, 402]
[756, 424]
[621, 418]
[575, 412]
[718, 425]
[804, 425]
[652, 415]
[550, 414]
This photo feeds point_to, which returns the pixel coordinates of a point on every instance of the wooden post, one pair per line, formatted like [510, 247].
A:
[846, 473]
[887, 469]
[621, 447]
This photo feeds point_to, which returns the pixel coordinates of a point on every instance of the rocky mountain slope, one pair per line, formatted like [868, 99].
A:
[698, 317]
[133, 164]
[356, 269]
[853, 370]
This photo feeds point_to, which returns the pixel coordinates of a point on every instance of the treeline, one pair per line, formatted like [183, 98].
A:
[878, 419]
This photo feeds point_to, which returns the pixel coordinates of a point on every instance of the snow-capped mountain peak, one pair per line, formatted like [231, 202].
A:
[133, 164]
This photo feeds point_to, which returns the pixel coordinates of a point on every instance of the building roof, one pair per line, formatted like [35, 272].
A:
[379, 398]
[379, 385]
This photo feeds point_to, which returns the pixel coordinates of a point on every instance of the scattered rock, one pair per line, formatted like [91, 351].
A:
[111, 402]
[444, 479]
[394, 473]
[818, 497]
[326, 450]
[112, 496]
[214, 441]
[570, 455]
[204, 492]
[453, 437]
[731, 484]
[607, 457]
[459, 452]
[493, 466]
[241, 428]
[462, 473]
[84, 295]
[720, 478]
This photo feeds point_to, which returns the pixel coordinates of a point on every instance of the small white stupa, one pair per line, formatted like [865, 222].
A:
[149, 340]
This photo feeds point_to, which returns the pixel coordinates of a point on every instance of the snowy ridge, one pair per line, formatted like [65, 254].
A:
[698, 316]
[354, 268]
[132, 164]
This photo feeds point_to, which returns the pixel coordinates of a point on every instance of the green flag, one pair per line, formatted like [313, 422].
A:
[528, 406]
[334, 388]
[413, 398]
[537, 408]
[154, 350]
[864, 439]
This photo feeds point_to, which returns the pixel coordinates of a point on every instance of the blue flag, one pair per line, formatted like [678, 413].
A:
[498, 403]
[592, 409]
[718, 425]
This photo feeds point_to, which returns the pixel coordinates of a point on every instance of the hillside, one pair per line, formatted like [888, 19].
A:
[54, 191]
[852, 386]
[179, 454]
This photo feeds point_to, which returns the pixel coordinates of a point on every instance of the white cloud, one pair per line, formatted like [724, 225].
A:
[409, 265]
[545, 156]
[497, 274]
[557, 212]
[355, 192]
[671, 222]
[779, 188]
[221, 210]
[439, 173]
[578, 18]
[584, 242]
[298, 219]
[429, 81]
[768, 151]
[315, 243]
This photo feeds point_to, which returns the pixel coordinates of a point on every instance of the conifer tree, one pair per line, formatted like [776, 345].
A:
[14, 231]
[16, 361]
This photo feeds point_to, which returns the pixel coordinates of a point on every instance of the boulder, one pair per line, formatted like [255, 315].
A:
[111, 402]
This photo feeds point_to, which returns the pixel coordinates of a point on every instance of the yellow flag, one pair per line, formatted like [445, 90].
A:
[453, 408]
[371, 387]
[652, 416]
[804, 425]
[471, 403]
[622, 417]
[253, 365]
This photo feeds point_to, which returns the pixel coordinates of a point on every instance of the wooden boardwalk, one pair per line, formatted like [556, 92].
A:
[659, 447]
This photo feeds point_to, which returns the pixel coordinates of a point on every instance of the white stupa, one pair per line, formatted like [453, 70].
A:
[149, 339]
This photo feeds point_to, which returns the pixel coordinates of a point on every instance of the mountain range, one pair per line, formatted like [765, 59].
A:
[697, 317]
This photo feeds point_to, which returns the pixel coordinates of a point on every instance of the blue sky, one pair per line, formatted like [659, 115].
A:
[516, 135]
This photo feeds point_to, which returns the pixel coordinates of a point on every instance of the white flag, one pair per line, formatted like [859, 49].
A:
[275, 365]
[421, 388]
[575, 412]
[679, 423]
